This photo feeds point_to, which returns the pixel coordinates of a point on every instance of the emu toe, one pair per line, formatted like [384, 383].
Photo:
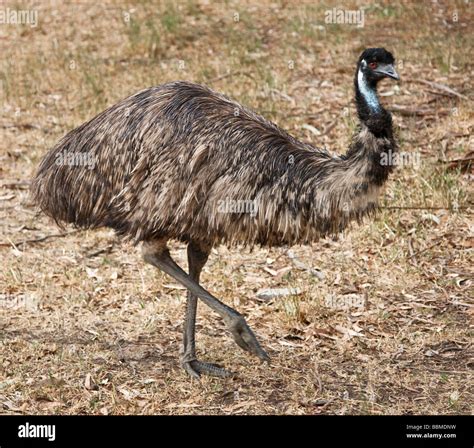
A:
[245, 338]
[195, 368]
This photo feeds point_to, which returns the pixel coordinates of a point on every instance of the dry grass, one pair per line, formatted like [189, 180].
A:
[87, 327]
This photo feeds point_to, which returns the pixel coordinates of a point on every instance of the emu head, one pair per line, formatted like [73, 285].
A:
[376, 64]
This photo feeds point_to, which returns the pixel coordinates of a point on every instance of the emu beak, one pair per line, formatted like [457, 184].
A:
[387, 70]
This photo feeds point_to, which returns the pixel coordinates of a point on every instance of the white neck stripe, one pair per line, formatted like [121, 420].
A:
[369, 94]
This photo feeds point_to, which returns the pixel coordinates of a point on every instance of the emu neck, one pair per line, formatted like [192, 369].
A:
[368, 94]
[374, 140]
[371, 113]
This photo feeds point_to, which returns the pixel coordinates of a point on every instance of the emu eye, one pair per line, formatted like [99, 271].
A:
[373, 65]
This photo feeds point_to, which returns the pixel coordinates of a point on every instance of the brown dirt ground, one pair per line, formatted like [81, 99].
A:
[87, 327]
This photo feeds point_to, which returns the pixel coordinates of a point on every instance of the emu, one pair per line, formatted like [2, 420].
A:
[161, 163]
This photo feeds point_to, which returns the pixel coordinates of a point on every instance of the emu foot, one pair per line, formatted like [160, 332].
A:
[195, 368]
[245, 338]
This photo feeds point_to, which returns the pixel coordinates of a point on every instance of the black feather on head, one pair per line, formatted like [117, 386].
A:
[380, 55]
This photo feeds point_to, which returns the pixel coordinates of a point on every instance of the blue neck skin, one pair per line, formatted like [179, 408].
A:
[368, 93]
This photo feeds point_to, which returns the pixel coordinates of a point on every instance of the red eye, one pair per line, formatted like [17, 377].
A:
[373, 65]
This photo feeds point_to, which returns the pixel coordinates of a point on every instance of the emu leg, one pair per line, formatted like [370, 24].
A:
[197, 257]
[157, 254]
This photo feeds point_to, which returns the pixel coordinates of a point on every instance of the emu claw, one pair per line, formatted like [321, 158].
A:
[245, 338]
[195, 368]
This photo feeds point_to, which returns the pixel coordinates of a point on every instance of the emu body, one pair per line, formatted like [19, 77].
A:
[166, 160]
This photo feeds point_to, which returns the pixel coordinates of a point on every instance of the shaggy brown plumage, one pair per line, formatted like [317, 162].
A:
[178, 160]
